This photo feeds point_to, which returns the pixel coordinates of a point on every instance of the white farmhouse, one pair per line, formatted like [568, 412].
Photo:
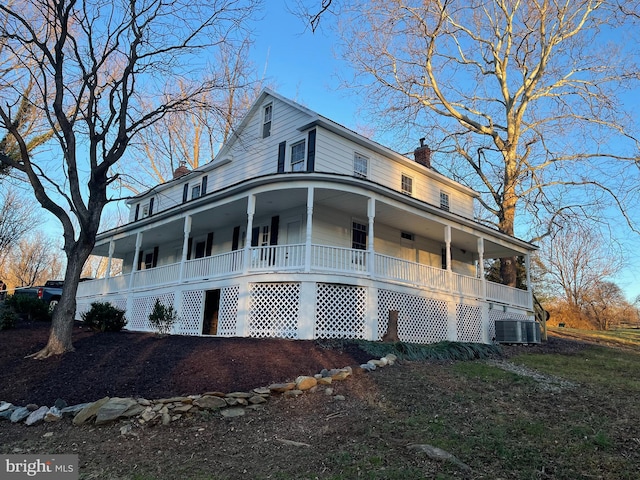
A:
[301, 228]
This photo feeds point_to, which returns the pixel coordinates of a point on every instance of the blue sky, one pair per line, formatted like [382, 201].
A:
[302, 66]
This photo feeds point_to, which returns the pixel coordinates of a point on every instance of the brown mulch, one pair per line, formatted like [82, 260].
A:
[134, 364]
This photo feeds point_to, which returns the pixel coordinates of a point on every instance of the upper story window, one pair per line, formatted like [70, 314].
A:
[195, 192]
[406, 184]
[267, 114]
[444, 201]
[297, 156]
[360, 166]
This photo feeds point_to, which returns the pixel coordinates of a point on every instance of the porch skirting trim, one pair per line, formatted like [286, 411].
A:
[313, 309]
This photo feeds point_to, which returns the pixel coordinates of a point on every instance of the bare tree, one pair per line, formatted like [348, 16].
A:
[34, 260]
[527, 99]
[105, 72]
[575, 263]
[193, 136]
[605, 305]
[17, 217]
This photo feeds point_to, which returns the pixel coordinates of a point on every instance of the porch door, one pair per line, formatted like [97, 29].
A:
[211, 311]
[359, 242]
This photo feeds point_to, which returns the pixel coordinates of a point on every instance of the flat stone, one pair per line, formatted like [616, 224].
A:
[325, 381]
[166, 419]
[148, 415]
[282, 387]
[113, 409]
[368, 367]
[262, 391]
[144, 402]
[257, 399]
[209, 402]
[391, 357]
[36, 416]
[4, 406]
[183, 408]
[293, 393]
[89, 411]
[54, 414]
[232, 402]
[377, 363]
[72, 410]
[214, 394]
[19, 414]
[133, 411]
[305, 383]
[239, 395]
[339, 398]
[233, 412]
[32, 407]
[174, 400]
[7, 413]
[340, 375]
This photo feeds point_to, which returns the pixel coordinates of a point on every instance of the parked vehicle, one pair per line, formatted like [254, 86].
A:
[49, 293]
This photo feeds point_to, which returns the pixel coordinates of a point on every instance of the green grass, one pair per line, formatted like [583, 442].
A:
[623, 336]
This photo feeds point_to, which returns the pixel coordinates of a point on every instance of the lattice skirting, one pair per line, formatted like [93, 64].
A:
[420, 319]
[273, 310]
[469, 323]
[341, 311]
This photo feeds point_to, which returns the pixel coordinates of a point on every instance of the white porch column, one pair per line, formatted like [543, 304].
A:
[481, 257]
[112, 249]
[309, 230]
[136, 256]
[185, 245]
[527, 267]
[371, 214]
[251, 210]
[447, 249]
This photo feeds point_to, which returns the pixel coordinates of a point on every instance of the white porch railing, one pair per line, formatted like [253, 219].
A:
[277, 257]
[416, 273]
[323, 259]
[214, 266]
[338, 259]
[157, 275]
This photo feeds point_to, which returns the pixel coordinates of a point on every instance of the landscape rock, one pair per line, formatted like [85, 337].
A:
[36, 416]
[209, 402]
[293, 393]
[133, 411]
[239, 395]
[339, 398]
[72, 410]
[257, 399]
[438, 454]
[19, 414]
[113, 409]
[325, 381]
[261, 391]
[281, 387]
[368, 367]
[183, 408]
[233, 412]
[60, 404]
[6, 415]
[305, 383]
[54, 414]
[4, 406]
[89, 411]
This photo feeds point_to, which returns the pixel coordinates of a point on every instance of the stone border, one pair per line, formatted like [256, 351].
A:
[167, 410]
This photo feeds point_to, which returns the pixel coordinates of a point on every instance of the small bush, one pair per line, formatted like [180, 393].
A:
[8, 317]
[104, 317]
[28, 307]
[162, 318]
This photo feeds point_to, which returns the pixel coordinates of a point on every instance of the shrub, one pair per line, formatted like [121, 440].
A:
[8, 317]
[104, 317]
[28, 307]
[162, 318]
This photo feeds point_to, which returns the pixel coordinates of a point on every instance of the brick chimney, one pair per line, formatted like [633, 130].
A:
[422, 154]
[181, 170]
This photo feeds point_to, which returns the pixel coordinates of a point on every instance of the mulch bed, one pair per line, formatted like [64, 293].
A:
[133, 364]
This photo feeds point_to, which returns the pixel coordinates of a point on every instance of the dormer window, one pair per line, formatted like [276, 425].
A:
[195, 192]
[266, 120]
[444, 201]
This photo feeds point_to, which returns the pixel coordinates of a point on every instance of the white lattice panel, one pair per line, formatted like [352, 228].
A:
[190, 318]
[82, 307]
[469, 323]
[228, 314]
[502, 315]
[273, 310]
[138, 319]
[340, 311]
[420, 319]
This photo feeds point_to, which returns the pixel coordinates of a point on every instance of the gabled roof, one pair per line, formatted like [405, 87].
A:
[316, 119]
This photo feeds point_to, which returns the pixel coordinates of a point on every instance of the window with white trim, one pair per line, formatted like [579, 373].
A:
[444, 201]
[298, 156]
[195, 192]
[406, 184]
[360, 165]
[358, 236]
[267, 115]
